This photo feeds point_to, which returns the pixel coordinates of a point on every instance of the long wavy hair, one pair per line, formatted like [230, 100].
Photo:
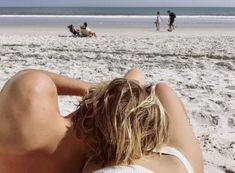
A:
[121, 121]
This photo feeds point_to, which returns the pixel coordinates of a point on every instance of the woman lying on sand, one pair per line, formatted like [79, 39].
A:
[122, 122]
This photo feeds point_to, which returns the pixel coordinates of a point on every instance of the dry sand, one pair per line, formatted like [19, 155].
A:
[197, 61]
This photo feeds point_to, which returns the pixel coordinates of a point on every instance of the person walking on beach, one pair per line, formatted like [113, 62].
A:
[172, 17]
[158, 21]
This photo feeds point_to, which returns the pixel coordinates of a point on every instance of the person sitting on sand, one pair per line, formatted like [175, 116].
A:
[82, 31]
[121, 122]
[75, 31]
[86, 31]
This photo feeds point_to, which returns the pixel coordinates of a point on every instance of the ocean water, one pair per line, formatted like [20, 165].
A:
[113, 15]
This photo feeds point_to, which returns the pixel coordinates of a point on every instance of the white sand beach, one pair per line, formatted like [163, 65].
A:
[197, 61]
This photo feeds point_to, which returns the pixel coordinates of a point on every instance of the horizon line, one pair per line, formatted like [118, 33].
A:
[123, 6]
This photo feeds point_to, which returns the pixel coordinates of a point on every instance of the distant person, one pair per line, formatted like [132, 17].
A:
[82, 30]
[158, 21]
[76, 32]
[86, 31]
[172, 17]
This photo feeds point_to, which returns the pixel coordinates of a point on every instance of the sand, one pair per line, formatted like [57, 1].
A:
[197, 61]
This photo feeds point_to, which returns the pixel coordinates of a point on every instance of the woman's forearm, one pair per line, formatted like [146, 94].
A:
[68, 86]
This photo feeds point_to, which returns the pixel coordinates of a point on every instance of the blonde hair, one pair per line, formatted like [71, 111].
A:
[121, 121]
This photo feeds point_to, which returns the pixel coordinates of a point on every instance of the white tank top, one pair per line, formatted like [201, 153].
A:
[140, 169]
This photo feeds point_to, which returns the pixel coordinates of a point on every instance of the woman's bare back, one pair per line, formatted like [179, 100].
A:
[181, 136]
[33, 135]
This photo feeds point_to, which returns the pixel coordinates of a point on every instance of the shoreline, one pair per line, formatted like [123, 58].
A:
[124, 29]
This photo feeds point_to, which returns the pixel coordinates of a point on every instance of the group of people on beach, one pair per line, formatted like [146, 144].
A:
[82, 31]
[171, 21]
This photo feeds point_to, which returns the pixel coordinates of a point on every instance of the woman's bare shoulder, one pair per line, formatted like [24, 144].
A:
[181, 133]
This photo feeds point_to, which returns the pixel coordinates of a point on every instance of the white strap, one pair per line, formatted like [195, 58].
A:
[179, 155]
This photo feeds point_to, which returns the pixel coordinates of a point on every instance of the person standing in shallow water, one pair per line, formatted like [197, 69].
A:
[172, 17]
[158, 21]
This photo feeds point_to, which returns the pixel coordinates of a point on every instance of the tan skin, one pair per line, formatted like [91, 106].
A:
[181, 134]
[34, 137]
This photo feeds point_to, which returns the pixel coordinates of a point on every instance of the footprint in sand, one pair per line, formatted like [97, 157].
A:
[231, 122]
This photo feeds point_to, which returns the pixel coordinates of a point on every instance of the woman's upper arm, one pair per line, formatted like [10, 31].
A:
[181, 135]
[66, 85]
